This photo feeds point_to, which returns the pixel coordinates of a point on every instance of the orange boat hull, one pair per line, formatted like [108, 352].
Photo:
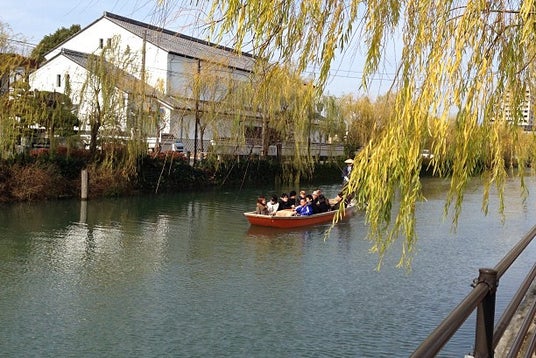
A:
[289, 222]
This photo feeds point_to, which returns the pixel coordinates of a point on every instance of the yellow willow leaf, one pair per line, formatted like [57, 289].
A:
[456, 59]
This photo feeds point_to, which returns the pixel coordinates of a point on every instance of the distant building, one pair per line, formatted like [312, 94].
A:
[14, 69]
[164, 62]
[524, 114]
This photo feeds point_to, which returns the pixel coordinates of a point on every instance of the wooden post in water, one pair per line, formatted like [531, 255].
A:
[84, 183]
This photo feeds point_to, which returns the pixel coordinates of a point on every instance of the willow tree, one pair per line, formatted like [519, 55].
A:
[456, 58]
[118, 105]
[208, 84]
[284, 105]
[332, 126]
[365, 119]
[272, 98]
[13, 69]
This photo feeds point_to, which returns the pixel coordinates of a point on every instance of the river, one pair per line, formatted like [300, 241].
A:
[185, 275]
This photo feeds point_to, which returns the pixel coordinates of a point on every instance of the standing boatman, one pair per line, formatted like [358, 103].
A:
[347, 170]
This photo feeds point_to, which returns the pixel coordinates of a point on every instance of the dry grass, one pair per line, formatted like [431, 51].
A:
[35, 182]
[104, 182]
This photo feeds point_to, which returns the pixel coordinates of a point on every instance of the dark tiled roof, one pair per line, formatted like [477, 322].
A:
[125, 81]
[183, 45]
[77, 57]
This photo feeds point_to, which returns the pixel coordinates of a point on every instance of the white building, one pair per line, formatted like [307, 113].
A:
[524, 115]
[164, 61]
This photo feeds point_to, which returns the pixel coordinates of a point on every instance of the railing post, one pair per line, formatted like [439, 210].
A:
[485, 314]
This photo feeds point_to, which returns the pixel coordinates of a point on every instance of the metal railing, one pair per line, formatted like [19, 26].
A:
[482, 298]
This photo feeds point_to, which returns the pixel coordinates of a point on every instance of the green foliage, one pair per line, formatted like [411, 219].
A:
[169, 172]
[365, 119]
[247, 172]
[463, 59]
[49, 42]
[277, 106]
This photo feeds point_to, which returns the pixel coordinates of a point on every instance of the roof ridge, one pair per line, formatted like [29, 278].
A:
[110, 15]
[68, 51]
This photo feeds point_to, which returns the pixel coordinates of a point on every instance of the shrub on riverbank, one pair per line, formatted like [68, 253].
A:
[42, 175]
[169, 172]
[34, 181]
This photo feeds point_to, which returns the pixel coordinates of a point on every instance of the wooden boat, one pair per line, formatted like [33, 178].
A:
[289, 222]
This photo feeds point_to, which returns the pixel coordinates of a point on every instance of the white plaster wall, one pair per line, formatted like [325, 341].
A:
[88, 41]
[45, 79]
[182, 71]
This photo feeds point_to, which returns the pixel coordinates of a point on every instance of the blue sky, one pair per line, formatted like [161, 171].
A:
[34, 19]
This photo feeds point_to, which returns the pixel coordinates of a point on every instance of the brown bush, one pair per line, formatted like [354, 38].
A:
[5, 179]
[35, 182]
[108, 182]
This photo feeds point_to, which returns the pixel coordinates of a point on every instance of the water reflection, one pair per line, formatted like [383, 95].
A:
[187, 275]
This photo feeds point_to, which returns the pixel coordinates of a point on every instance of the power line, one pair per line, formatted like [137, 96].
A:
[21, 42]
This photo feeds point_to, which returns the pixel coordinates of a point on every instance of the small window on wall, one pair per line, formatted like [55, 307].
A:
[58, 80]
[109, 42]
[101, 43]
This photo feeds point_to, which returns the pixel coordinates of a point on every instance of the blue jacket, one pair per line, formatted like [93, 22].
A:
[304, 210]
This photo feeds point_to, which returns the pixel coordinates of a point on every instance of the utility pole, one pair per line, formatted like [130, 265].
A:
[197, 95]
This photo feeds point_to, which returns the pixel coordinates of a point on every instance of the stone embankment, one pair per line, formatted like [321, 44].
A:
[515, 325]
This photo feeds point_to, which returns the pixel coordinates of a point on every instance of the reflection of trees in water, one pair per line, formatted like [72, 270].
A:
[112, 236]
[514, 203]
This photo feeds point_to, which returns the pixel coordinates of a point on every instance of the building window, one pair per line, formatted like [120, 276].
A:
[101, 43]
[108, 42]
[58, 80]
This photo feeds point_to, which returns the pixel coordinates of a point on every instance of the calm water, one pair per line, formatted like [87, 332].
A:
[185, 275]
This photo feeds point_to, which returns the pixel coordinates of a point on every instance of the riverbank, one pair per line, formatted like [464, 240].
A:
[42, 176]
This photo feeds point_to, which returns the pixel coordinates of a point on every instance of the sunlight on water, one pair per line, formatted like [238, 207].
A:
[185, 275]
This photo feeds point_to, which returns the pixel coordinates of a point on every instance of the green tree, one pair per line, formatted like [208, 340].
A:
[50, 41]
[366, 119]
[284, 105]
[54, 111]
[456, 58]
[121, 108]
[208, 84]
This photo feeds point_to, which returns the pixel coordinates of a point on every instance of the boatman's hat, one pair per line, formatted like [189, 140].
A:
[349, 161]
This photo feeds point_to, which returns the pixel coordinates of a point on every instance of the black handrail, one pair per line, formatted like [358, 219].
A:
[482, 297]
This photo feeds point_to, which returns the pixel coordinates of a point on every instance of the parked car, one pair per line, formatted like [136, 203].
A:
[177, 146]
[426, 154]
[166, 143]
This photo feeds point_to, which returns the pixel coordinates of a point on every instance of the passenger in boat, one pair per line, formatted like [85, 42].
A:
[322, 204]
[300, 196]
[305, 208]
[292, 198]
[261, 206]
[272, 205]
[314, 201]
[284, 202]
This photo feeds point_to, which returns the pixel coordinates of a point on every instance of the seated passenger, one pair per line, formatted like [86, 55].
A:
[302, 195]
[261, 206]
[284, 202]
[305, 208]
[272, 205]
[292, 199]
[322, 204]
[315, 198]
